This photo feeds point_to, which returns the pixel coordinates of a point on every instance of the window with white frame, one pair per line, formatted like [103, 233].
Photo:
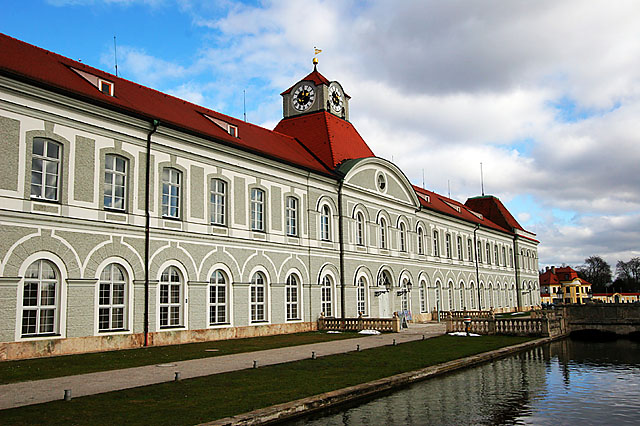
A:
[361, 300]
[496, 255]
[447, 239]
[383, 233]
[423, 297]
[436, 251]
[469, 250]
[459, 247]
[291, 213]
[438, 296]
[420, 241]
[115, 182]
[292, 290]
[472, 297]
[40, 299]
[218, 200]
[112, 298]
[404, 301]
[403, 237]
[488, 254]
[325, 223]
[504, 256]
[326, 297]
[45, 169]
[511, 257]
[258, 298]
[359, 229]
[257, 209]
[462, 301]
[170, 298]
[171, 181]
[218, 298]
[450, 295]
[479, 251]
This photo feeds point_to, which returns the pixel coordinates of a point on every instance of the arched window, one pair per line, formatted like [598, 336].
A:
[257, 209]
[404, 301]
[482, 297]
[420, 241]
[112, 298]
[423, 296]
[403, 237]
[258, 297]
[463, 305]
[459, 247]
[115, 182]
[292, 292]
[488, 254]
[450, 295]
[291, 210]
[218, 298]
[361, 300]
[40, 299]
[438, 296]
[359, 229]
[45, 169]
[436, 251]
[326, 297]
[447, 240]
[171, 298]
[325, 227]
[218, 199]
[383, 233]
[171, 185]
[472, 296]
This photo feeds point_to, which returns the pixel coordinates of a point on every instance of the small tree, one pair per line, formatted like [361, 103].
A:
[628, 273]
[597, 271]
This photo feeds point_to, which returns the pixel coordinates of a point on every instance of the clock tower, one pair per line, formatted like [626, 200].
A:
[315, 93]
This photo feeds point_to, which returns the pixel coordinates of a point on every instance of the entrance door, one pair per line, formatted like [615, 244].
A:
[384, 305]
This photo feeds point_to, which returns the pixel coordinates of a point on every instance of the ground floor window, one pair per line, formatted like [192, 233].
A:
[423, 298]
[258, 297]
[218, 298]
[170, 298]
[40, 299]
[361, 296]
[112, 298]
[326, 297]
[291, 290]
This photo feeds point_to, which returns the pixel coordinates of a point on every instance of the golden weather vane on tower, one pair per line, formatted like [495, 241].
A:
[317, 51]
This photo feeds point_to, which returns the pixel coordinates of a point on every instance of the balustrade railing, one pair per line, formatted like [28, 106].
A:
[514, 327]
[360, 323]
[445, 315]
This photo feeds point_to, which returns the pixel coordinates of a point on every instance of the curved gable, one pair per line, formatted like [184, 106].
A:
[364, 174]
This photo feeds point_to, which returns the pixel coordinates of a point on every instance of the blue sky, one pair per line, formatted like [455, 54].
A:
[545, 94]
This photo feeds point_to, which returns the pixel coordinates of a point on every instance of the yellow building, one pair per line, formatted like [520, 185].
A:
[562, 285]
[617, 297]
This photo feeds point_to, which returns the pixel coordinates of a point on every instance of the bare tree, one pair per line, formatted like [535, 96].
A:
[597, 271]
[629, 272]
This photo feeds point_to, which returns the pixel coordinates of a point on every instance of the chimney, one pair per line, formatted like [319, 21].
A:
[553, 270]
[547, 270]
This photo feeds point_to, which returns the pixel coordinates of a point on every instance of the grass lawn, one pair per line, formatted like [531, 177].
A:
[68, 365]
[208, 398]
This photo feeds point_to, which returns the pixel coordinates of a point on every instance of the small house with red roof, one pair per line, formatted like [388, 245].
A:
[563, 285]
[129, 217]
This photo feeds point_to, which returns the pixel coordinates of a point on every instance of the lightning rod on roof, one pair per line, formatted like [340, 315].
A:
[481, 179]
[449, 187]
[115, 54]
[244, 104]
[423, 178]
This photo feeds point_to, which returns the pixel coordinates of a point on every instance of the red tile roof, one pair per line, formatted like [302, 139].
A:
[51, 71]
[331, 138]
[492, 208]
[314, 76]
[560, 275]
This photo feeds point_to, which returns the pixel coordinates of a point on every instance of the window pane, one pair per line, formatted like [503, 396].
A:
[36, 165]
[38, 146]
[29, 322]
[46, 320]
[30, 295]
[53, 150]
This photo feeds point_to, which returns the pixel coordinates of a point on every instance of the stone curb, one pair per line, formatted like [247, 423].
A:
[325, 400]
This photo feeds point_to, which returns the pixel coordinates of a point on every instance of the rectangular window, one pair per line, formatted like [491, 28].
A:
[218, 201]
[292, 216]
[459, 247]
[448, 245]
[115, 182]
[436, 251]
[45, 169]
[257, 209]
[171, 193]
[470, 250]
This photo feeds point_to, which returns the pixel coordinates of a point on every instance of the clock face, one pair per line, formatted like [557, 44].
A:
[303, 97]
[336, 98]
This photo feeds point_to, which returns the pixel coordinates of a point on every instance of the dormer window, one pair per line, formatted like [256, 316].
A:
[229, 128]
[105, 87]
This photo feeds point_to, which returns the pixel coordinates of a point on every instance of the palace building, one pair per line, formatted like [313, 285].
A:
[129, 217]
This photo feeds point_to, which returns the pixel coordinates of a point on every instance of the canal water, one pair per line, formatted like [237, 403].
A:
[568, 382]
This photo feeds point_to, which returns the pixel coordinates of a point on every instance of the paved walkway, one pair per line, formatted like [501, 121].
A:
[38, 391]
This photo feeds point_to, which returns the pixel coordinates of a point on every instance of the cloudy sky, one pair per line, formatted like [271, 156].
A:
[545, 94]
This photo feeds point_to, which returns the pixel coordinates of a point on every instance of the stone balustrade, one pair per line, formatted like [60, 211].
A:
[510, 326]
[360, 323]
[446, 315]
